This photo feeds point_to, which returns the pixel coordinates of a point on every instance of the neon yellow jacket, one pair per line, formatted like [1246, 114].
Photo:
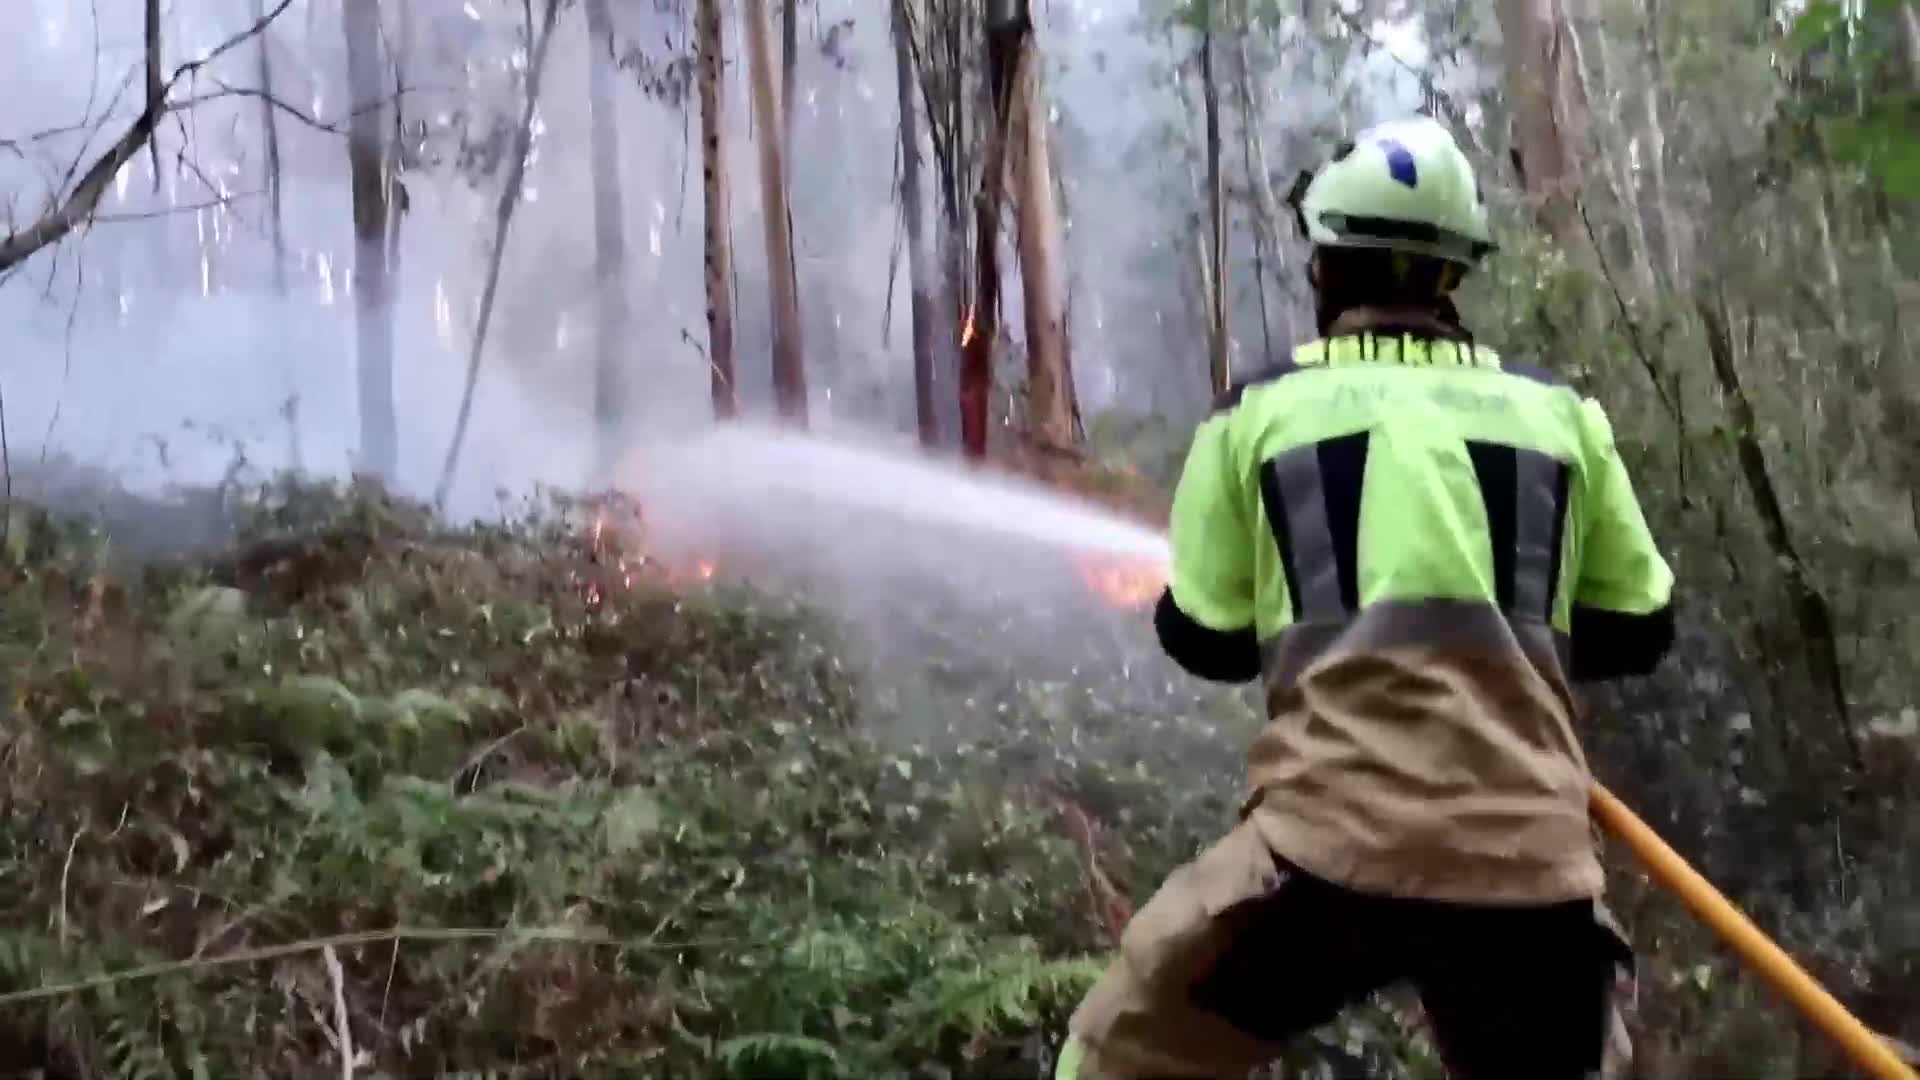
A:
[1419, 548]
[1383, 489]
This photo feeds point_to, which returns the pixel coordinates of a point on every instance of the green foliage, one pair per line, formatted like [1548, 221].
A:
[544, 825]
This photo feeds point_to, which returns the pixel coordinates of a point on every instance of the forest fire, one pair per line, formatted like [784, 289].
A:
[966, 328]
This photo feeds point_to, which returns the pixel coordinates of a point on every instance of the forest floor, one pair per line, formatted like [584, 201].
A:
[514, 799]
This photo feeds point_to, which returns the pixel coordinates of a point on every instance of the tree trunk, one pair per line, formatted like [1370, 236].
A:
[1219, 372]
[537, 42]
[1549, 113]
[609, 235]
[920, 269]
[789, 369]
[277, 228]
[1050, 399]
[1211, 296]
[789, 65]
[719, 249]
[1267, 230]
[1672, 238]
[1910, 39]
[371, 276]
[1620, 180]
[942, 28]
[1004, 58]
[1812, 612]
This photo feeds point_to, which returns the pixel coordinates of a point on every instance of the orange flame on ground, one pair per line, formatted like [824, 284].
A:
[609, 548]
[967, 329]
[1128, 583]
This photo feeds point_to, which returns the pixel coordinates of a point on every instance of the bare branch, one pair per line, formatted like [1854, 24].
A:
[86, 195]
[1442, 101]
[86, 122]
[184, 208]
[314, 122]
[502, 219]
[228, 45]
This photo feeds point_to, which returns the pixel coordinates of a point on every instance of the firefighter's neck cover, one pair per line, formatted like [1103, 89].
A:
[1418, 546]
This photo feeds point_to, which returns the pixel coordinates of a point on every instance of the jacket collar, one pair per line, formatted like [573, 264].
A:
[1417, 322]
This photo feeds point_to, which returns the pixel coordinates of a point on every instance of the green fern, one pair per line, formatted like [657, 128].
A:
[1010, 990]
[777, 1054]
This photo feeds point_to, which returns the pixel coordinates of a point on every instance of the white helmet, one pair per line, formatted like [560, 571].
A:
[1402, 185]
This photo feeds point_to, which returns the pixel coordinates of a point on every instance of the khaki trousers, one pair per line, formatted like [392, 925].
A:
[1238, 952]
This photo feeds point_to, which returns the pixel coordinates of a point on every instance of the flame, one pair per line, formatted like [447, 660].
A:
[613, 549]
[1128, 583]
[1123, 582]
[967, 328]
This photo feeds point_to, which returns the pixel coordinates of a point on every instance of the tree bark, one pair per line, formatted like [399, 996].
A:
[719, 249]
[1549, 113]
[1050, 397]
[609, 235]
[1219, 372]
[920, 268]
[371, 276]
[789, 368]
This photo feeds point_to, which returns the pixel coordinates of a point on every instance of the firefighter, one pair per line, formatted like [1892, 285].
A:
[1417, 545]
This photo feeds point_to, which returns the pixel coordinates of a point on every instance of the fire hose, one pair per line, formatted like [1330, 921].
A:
[1767, 959]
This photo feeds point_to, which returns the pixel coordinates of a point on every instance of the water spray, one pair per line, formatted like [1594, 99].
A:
[740, 480]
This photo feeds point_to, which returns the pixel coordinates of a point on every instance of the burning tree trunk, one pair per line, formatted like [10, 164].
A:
[277, 224]
[1549, 111]
[372, 276]
[719, 250]
[1050, 399]
[942, 42]
[920, 271]
[1218, 371]
[1006, 30]
[789, 370]
[609, 233]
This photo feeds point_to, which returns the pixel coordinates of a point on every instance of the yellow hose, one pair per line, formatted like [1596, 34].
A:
[1866, 1049]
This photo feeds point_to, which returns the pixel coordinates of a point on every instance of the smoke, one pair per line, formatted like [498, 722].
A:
[154, 348]
[153, 344]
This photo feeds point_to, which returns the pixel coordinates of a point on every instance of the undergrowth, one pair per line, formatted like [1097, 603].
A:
[479, 801]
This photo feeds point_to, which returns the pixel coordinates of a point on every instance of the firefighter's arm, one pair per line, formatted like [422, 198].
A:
[1622, 622]
[1205, 616]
